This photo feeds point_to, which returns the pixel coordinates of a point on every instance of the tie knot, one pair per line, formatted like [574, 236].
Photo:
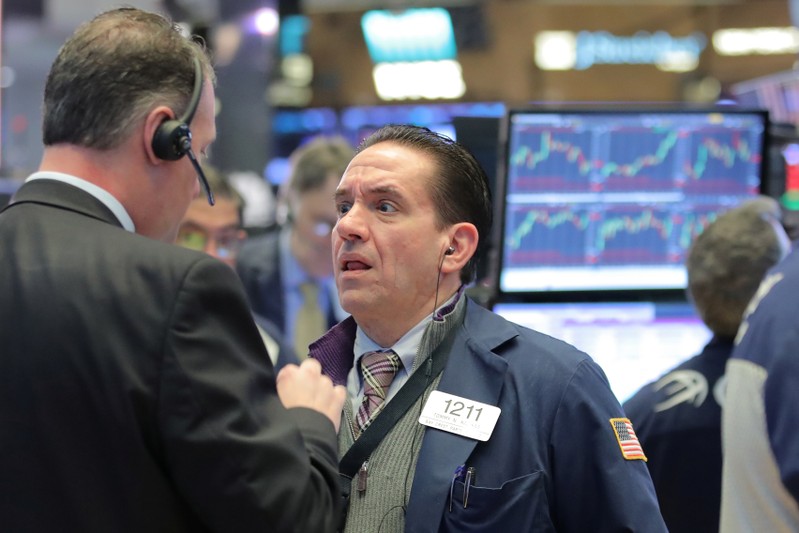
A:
[380, 365]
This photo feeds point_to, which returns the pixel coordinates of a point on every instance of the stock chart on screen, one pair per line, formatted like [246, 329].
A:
[598, 200]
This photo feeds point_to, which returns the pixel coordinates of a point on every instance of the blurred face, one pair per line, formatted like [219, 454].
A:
[386, 245]
[212, 229]
[314, 216]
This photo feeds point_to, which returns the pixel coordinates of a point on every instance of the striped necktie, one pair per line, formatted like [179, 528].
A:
[379, 369]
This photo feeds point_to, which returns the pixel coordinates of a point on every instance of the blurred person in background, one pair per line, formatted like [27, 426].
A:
[678, 417]
[218, 231]
[760, 416]
[288, 273]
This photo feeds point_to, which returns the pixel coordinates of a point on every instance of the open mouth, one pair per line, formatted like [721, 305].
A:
[347, 266]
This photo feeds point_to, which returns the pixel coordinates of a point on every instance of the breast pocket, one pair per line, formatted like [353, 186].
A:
[518, 505]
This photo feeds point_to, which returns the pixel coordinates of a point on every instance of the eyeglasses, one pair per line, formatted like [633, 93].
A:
[226, 244]
[322, 228]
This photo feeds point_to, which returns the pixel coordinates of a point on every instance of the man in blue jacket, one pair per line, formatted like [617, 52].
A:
[678, 417]
[456, 419]
[760, 474]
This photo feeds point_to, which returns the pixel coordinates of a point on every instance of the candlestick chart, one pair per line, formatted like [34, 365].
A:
[634, 158]
[720, 160]
[614, 200]
[617, 235]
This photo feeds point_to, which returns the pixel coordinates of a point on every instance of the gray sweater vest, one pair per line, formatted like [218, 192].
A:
[390, 468]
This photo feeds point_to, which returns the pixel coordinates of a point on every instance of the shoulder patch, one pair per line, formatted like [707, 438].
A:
[625, 435]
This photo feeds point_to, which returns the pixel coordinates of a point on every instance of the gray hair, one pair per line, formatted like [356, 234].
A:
[112, 71]
[728, 260]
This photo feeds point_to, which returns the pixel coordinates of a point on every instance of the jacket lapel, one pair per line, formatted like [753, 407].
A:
[473, 371]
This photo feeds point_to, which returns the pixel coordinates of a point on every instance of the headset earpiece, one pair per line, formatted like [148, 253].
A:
[172, 139]
[169, 140]
[450, 250]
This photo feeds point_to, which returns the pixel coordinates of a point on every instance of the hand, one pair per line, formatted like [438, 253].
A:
[305, 386]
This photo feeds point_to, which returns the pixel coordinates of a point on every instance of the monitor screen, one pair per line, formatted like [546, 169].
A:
[634, 342]
[610, 200]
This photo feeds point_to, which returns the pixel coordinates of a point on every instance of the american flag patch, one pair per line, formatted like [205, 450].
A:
[628, 442]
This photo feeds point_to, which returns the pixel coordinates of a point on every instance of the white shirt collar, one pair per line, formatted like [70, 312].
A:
[406, 347]
[101, 194]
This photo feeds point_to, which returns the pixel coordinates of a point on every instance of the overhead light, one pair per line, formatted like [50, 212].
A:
[414, 53]
[266, 21]
[409, 35]
[419, 79]
[756, 41]
[556, 50]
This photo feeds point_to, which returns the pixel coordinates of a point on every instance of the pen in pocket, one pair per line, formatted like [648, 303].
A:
[457, 475]
[471, 478]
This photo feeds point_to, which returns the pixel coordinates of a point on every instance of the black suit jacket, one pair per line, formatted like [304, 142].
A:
[135, 392]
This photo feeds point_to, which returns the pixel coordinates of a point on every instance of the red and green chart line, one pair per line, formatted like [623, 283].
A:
[528, 158]
[547, 220]
[727, 154]
[665, 146]
[688, 225]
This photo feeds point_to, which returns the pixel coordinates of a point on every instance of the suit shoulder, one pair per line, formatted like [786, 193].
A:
[164, 264]
[157, 252]
[522, 345]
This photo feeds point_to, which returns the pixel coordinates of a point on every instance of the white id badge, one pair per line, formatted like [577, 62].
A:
[469, 418]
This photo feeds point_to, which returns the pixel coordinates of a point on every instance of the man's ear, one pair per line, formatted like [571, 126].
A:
[463, 239]
[152, 122]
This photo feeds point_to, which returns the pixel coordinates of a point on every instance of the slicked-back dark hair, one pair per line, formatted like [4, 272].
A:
[112, 71]
[460, 190]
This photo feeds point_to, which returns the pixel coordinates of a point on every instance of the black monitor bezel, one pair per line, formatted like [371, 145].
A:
[651, 294]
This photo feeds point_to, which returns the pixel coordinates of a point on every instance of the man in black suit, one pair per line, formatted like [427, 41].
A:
[135, 391]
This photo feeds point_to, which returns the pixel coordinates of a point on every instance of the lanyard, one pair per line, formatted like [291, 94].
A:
[391, 413]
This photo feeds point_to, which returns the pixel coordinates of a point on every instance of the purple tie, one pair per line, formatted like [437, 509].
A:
[379, 369]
